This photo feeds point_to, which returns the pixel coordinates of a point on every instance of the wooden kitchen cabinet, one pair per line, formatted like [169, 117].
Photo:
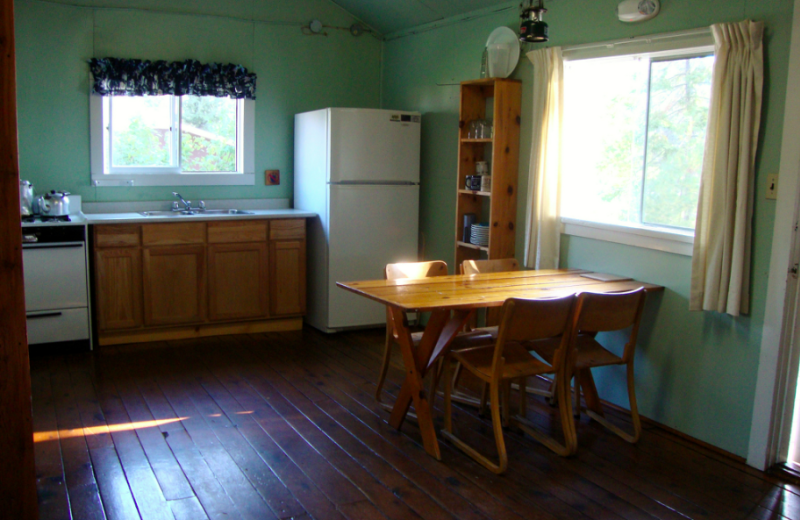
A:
[118, 288]
[238, 285]
[287, 267]
[162, 281]
[237, 281]
[174, 284]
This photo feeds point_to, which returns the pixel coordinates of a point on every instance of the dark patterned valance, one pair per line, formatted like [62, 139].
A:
[117, 77]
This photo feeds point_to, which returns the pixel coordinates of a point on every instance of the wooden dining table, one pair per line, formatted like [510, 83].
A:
[452, 300]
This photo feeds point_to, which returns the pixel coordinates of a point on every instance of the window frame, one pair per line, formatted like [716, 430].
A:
[103, 175]
[690, 44]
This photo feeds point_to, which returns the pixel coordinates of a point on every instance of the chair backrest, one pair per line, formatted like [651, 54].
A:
[596, 312]
[489, 266]
[416, 270]
[526, 320]
[411, 270]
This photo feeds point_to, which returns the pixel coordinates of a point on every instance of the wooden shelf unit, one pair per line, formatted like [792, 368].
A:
[501, 98]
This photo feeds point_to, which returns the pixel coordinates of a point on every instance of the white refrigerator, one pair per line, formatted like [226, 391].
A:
[358, 169]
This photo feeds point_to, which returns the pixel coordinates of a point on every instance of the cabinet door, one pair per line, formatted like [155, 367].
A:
[287, 261]
[174, 285]
[118, 288]
[237, 281]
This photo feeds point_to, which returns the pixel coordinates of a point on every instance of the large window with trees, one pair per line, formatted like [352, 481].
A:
[634, 133]
[158, 123]
[171, 134]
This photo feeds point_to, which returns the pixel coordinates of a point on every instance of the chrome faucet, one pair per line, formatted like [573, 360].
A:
[186, 203]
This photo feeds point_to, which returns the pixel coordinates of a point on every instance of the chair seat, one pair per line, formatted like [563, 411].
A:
[518, 362]
[472, 339]
[492, 331]
[590, 352]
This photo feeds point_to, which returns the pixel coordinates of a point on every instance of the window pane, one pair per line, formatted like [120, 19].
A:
[140, 131]
[680, 93]
[208, 134]
[605, 123]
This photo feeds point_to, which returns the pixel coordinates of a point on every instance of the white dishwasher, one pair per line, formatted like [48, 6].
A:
[54, 264]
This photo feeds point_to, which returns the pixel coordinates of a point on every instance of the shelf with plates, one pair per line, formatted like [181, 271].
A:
[497, 99]
[472, 246]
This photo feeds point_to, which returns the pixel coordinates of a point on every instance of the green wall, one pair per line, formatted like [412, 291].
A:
[295, 73]
[696, 372]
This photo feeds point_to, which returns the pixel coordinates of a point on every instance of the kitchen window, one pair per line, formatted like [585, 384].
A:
[172, 140]
[639, 121]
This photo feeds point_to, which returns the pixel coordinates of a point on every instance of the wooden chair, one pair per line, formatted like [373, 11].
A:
[398, 272]
[522, 321]
[470, 267]
[489, 266]
[596, 313]
[500, 265]
[418, 270]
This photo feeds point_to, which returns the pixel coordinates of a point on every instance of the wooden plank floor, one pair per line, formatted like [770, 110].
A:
[285, 425]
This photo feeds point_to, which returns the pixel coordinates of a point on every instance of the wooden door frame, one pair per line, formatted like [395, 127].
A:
[17, 473]
[777, 372]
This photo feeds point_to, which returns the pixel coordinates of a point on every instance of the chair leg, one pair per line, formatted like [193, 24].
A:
[484, 397]
[448, 406]
[495, 391]
[456, 375]
[497, 425]
[387, 356]
[523, 398]
[637, 425]
[570, 445]
[435, 375]
[506, 396]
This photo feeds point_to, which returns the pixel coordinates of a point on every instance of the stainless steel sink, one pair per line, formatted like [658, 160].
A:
[177, 214]
[166, 213]
[224, 212]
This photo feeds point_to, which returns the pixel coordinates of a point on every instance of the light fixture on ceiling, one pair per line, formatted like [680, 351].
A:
[637, 10]
[533, 29]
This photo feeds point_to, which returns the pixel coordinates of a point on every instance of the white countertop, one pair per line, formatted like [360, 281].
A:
[137, 218]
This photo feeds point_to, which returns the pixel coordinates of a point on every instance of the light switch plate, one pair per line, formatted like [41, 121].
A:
[272, 177]
[772, 186]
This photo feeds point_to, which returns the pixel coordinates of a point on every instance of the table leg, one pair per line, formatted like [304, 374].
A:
[439, 332]
[413, 389]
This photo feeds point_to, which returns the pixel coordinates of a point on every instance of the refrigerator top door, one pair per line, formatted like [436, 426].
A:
[373, 146]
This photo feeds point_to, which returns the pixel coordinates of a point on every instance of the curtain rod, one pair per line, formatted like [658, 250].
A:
[704, 31]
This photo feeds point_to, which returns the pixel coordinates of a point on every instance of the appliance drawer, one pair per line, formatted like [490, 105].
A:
[55, 276]
[58, 325]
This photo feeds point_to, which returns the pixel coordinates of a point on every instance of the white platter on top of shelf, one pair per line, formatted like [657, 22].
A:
[502, 63]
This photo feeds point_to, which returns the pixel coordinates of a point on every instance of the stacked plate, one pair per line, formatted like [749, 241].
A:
[480, 234]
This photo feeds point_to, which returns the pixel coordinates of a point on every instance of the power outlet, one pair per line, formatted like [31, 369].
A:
[772, 186]
[272, 177]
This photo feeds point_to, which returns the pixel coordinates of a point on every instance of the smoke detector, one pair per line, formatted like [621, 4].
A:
[637, 10]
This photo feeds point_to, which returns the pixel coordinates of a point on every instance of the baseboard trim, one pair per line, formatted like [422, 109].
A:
[200, 331]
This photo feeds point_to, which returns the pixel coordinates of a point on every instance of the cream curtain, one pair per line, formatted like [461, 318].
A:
[542, 232]
[721, 258]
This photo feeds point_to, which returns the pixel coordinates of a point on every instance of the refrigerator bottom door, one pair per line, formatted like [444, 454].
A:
[370, 226]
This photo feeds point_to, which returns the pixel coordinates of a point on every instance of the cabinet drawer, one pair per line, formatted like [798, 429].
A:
[237, 232]
[116, 236]
[174, 234]
[290, 228]
[58, 325]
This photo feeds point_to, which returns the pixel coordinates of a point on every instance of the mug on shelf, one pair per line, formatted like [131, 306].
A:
[473, 182]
